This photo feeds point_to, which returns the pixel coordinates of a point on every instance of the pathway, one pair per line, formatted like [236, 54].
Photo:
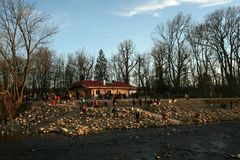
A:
[159, 116]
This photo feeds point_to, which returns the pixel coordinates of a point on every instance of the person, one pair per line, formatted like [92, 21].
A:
[137, 116]
[158, 101]
[5, 120]
[133, 102]
[35, 96]
[164, 117]
[140, 102]
[53, 102]
[80, 106]
[105, 104]
[84, 108]
[114, 101]
[223, 105]
[58, 99]
[145, 100]
[83, 101]
[197, 115]
[47, 97]
[83, 105]
[168, 94]
[114, 111]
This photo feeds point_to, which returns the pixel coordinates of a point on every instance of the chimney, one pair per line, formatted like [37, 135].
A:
[104, 82]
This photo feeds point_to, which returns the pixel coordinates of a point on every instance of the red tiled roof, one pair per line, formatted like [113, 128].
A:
[99, 84]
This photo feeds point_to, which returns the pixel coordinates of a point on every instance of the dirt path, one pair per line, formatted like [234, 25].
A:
[159, 116]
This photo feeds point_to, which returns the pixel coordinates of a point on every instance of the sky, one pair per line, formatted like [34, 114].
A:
[102, 24]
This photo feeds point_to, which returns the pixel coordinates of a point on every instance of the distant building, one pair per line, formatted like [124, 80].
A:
[100, 89]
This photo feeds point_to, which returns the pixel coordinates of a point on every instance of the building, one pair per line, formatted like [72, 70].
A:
[100, 89]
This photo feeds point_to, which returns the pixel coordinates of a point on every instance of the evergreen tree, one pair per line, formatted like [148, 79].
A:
[101, 67]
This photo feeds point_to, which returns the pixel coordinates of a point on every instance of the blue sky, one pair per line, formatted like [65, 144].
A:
[103, 24]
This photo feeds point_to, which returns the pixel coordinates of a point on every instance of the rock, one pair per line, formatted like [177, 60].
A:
[104, 114]
[236, 156]
[41, 129]
[157, 157]
[64, 130]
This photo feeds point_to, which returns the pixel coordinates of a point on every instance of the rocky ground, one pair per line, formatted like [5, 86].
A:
[68, 119]
[199, 111]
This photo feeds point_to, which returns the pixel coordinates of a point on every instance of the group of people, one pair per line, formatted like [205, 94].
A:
[135, 101]
[150, 102]
[55, 99]
[84, 105]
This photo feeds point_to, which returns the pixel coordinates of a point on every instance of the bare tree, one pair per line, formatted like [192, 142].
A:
[84, 65]
[114, 70]
[70, 71]
[172, 37]
[5, 75]
[58, 74]
[125, 59]
[142, 72]
[159, 55]
[40, 73]
[23, 30]
[203, 62]
[222, 32]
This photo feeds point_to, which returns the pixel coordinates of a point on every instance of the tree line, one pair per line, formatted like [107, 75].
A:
[201, 59]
